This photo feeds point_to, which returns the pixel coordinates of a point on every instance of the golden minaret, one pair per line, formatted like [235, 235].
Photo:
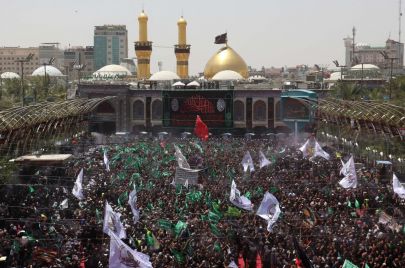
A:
[143, 48]
[182, 50]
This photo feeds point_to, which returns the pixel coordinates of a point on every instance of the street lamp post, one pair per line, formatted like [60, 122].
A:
[22, 61]
[51, 61]
[341, 68]
[79, 67]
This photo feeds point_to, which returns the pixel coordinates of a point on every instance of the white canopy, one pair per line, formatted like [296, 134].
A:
[178, 84]
[193, 84]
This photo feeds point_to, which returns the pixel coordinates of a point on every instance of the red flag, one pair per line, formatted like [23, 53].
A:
[201, 129]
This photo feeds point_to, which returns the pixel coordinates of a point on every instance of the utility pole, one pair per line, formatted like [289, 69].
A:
[399, 34]
[22, 61]
[354, 44]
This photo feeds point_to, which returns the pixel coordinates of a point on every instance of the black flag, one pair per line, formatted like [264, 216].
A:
[221, 39]
[301, 254]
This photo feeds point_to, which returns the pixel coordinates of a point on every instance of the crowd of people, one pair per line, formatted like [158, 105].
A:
[42, 224]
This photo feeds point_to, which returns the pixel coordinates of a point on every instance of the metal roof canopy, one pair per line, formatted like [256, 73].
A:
[27, 116]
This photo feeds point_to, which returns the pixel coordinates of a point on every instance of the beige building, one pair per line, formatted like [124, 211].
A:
[51, 50]
[83, 56]
[10, 55]
[367, 54]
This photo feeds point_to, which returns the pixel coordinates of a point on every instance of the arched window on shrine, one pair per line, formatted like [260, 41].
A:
[138, 110]
[238, 110]
[259, 111]
[157, 110]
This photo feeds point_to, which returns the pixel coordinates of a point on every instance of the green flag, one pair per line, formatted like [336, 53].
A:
[178, 256]
[180, 226]
[122, 199]
[151, 240]
[233, 212]
[214, 229]
[349, 204]
[366, 266]
[273, 189]
[349, 264]
[215, 208]
[208, 200]
[248, 195]
[217, 247]
[31, 189]
[213, 217]
[165, 224]
[357, 204]
[98, 216]
[135, 176]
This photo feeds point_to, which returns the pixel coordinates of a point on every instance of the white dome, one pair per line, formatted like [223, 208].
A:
[365, 66]
[9, 75]
[50, 71]
[227, 75]
[111, 70]
[335, 76]
[164, 76]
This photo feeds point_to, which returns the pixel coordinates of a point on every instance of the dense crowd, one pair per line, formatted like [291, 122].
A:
[197, 226]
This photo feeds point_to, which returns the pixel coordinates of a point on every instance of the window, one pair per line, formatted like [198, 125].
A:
[259, 111]
[138, 110]
[239, 110]
[157, 110]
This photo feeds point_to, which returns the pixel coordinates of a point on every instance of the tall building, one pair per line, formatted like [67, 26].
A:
[143, 48]
[182, 49]
[9, 56]
[110, 45]
[79, 56]
[46, 51]
[364, 53]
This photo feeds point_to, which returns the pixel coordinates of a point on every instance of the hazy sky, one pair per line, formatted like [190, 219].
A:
[264, 32]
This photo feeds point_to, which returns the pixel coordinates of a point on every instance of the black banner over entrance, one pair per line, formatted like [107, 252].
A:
[180, 108]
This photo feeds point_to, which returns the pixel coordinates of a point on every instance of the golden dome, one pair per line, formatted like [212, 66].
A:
[143, 16]
[226, 59]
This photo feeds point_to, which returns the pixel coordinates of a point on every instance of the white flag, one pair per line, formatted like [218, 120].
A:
[186, 184]
[106, 161]
[132, 202]
[398, 187]
[181, 160]
[320, 152]
[64, 204]
[247, 162]
[238, 200]
[269, 210]
[232, 265]
[122, 256]
[306, 149]
[112, 222]
[78, 187]
[350, 179]
[344, 168]
[263, 160]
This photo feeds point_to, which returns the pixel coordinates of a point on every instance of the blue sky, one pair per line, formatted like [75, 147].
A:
[263, 32]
